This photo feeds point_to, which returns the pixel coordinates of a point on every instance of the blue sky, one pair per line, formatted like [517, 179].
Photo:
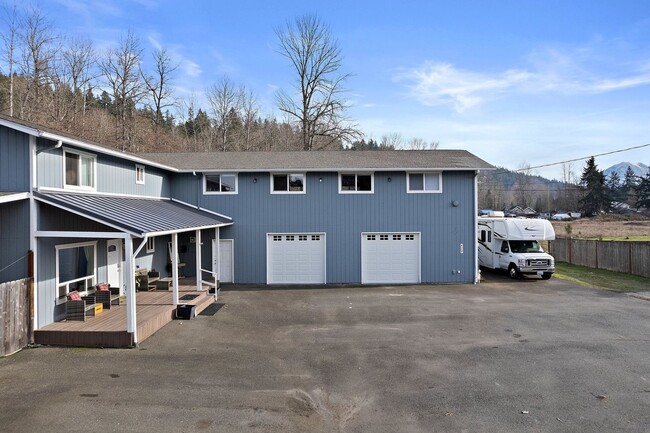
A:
[512, 81]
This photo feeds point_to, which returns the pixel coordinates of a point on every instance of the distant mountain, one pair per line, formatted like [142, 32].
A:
[640, 169]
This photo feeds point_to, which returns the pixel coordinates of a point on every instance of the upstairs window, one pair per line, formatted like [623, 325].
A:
[356, 183]
[79, 170]
[424, 182]
[293, 183]
[225, 183]
[139, 174]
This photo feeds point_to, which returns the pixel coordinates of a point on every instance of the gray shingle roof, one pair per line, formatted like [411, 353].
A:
[137, 216]
[339, 160]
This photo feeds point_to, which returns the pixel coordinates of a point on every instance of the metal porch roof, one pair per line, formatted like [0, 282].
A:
[138, 216]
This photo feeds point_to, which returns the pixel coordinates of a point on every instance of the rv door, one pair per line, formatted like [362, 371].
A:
[504, 256]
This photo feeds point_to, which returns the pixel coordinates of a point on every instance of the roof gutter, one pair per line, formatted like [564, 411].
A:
[100, 149]
[325, 169]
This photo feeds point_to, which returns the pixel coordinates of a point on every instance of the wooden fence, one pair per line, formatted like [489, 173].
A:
[15, 315]
[620, 256]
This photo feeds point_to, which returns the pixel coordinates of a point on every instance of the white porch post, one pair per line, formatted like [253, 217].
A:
[217, 270]
[129, 276]
[199, 273]
[174, 257]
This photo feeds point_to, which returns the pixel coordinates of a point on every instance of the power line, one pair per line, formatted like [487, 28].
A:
[580, 159]
[575, 159]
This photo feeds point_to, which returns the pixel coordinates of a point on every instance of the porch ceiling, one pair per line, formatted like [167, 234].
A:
[137, 216]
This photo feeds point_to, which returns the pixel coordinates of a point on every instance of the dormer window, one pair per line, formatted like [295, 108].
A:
[79, 170]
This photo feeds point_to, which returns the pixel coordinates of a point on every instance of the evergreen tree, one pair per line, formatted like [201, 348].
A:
[615, 188]
[592, 183]
[643, 192]
[630, 182]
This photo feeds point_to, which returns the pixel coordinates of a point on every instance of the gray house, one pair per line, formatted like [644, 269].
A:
[92, 214]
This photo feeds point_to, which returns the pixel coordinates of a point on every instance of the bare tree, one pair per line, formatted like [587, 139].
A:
[121, 69]
[37, 39]
[159, 85]
[9, 41]
[319, 106]
[249, 110]
[392, 140]
[79, 60]
[417, 143]
[224, 98]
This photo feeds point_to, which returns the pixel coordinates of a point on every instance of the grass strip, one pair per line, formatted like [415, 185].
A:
[601, 278]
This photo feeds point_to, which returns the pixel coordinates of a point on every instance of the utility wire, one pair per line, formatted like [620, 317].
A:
[575, 159]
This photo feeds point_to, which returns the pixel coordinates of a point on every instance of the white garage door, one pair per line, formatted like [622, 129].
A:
[295, 258]
[390, 258]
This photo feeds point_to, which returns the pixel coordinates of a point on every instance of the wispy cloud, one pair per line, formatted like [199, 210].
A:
[549, 70]
[188, 68]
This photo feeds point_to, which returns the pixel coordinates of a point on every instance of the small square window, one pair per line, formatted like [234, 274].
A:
[383, 237]
[291, 238]
[397, 237]
[277, 238]
[371, 237]
[409, 237]
[302, 237]
[315, 237]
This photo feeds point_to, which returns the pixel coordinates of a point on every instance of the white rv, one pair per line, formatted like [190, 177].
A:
[512, 244]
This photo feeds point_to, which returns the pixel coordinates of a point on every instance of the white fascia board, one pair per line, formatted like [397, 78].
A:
[183, 230]
[99, 193]
[327, 170]
[14, 197]
[19, 127]
[71, 234]
[100, 149]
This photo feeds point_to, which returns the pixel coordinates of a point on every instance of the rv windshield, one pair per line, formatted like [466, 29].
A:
[525, 247]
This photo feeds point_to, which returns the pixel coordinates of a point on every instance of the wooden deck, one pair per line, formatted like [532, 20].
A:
[155, 309]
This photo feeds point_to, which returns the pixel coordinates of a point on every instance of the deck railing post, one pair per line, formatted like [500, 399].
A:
[129, 276]
[199, 273]
[174, 257]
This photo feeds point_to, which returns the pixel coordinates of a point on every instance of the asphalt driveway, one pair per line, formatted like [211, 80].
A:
[502, 356]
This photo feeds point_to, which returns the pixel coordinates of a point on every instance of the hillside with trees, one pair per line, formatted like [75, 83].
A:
[124, 96]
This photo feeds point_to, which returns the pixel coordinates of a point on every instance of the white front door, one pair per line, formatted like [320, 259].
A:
[295, 258]
[114, 263]
[226, 260]
[390, 258]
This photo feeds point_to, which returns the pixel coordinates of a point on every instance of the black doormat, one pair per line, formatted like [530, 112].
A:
[188, 297]
[211, 310]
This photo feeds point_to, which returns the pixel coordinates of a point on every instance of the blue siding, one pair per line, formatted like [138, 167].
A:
[14, 240]
[343, 217]
[114, 175]
[14, 160]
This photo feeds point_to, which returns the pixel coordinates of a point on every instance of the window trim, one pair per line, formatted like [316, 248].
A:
[205, 183]
[57, 299]
[304, 182]
[424, 190]
[139, 168]
[151, 244]
[356, 174]
[92, 157]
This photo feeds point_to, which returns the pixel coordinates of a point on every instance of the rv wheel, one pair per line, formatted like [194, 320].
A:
[513, 272]
[546, 275]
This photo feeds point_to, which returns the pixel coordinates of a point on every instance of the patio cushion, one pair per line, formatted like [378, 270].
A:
[74, 296]
[102, 286]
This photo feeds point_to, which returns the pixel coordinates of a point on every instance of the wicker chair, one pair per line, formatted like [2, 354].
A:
[107, 297]
[79, 309]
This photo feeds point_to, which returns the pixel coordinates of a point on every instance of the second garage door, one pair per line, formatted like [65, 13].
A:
[295, 258]
[390, 258]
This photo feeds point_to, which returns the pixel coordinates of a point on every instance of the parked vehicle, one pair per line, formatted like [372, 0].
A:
[561, 217]
[512, 244]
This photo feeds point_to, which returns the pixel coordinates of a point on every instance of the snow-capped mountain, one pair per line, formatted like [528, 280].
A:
[640, 169]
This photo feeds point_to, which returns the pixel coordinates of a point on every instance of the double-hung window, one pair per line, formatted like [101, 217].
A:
[362, 183]
[288, 183]
[79, 170]
[424, 182]
[222, 183]
[76, 268]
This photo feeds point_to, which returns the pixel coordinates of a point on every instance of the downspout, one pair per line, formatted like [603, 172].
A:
[477, 271]
[33, 243]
